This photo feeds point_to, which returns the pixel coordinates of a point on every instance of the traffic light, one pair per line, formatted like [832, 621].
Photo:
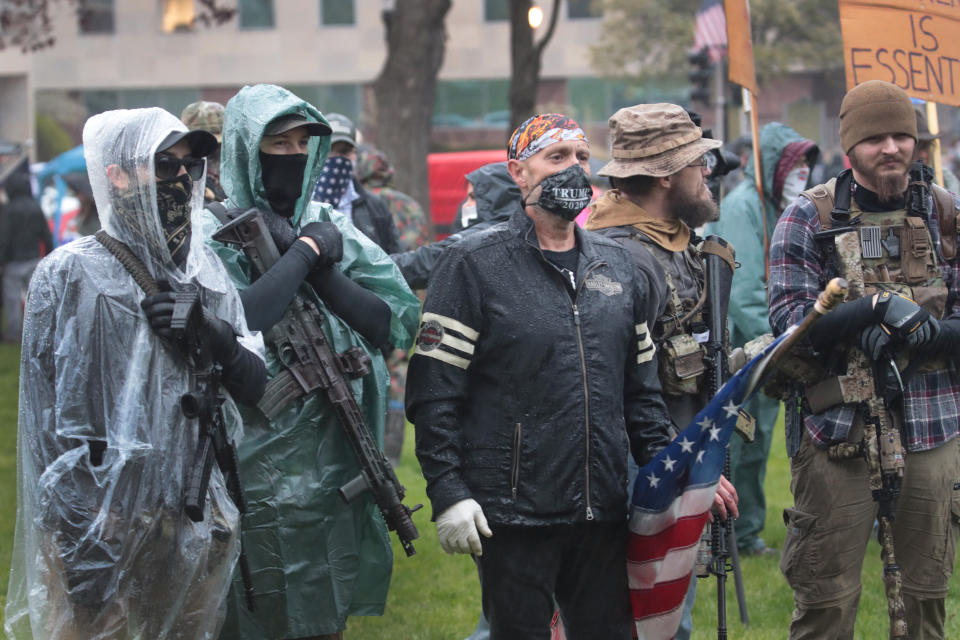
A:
[700, 76]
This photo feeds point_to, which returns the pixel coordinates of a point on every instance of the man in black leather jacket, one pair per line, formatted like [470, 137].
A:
[534, 375]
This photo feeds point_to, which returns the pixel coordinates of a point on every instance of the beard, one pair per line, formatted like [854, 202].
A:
[691, 208]
[890, 185]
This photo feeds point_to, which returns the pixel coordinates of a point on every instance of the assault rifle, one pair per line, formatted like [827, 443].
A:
[311, 364]
[203, 402]
[881, 447]
[719, 266]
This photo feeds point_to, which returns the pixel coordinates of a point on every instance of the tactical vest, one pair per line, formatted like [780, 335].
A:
[681, 364]
[897, 254]
[897, 250]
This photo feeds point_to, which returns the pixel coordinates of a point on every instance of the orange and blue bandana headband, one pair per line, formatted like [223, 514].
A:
[539, 132]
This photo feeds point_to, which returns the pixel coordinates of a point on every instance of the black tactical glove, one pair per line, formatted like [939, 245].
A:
[873, 340]
[329, 241]
[215, 332]
[159, 310]
[904, 319]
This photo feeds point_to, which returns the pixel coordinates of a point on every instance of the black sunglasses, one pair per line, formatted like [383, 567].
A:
[167, 167]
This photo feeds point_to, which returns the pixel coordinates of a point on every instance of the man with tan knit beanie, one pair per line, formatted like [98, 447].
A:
[898, 334]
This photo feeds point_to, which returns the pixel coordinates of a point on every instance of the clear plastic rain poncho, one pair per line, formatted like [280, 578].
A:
[322, 559]
[102, 547]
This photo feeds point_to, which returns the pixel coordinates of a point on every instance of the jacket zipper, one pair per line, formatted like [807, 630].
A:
[586, 389]
[583, 364]
[515, 467]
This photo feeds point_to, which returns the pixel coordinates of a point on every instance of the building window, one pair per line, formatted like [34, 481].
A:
[332, 98]
[335, 13]
[584, 9]
[495, 10]
[96, 16]
[178, 16]
[256, 14]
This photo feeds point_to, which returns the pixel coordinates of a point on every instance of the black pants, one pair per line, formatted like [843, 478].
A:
[581, 567]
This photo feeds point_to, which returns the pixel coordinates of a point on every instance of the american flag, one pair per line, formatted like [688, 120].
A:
[671, 498]
[710, 29]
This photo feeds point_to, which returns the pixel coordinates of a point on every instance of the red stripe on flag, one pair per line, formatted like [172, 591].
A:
[683, 533]
[665, 596]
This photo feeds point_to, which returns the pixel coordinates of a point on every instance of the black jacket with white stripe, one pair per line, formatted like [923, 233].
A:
[527, 399]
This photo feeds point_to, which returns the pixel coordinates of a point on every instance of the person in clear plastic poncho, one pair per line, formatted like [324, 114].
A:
[318, 560]
[103, 548]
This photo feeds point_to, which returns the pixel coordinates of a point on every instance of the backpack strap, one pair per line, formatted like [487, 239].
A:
[947, 217]
[822, 197]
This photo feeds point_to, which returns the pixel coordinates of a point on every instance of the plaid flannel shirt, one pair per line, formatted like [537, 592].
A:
[931, 406]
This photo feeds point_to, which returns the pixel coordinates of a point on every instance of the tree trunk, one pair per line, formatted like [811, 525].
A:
[406, 87]
[525, 59]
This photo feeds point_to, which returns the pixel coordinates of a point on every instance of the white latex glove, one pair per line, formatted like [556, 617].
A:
[457, 528]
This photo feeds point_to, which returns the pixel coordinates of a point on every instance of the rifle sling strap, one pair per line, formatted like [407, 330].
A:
[134, 266]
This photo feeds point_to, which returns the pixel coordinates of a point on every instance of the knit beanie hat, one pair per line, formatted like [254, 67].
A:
[875, 108]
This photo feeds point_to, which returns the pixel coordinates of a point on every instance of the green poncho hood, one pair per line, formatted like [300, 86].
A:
[247, 115]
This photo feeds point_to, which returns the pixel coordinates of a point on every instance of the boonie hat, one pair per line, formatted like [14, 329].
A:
[282, 124]
[206, 116]
[655, 140]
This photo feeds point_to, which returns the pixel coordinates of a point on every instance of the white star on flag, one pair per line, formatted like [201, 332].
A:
[668, 463]
[731, 409]
[654, 480]
[686, 445]
[715, 434]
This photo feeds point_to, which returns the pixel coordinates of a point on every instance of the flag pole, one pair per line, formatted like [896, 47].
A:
[750, 107]
[934, 125]
[829, 298]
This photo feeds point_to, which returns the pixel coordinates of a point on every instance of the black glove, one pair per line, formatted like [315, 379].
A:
[328, 239]
[873, 340]
[215, 332]
[903, 318]
[159, 310]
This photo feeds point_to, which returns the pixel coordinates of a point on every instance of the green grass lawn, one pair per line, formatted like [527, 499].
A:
[436, 597]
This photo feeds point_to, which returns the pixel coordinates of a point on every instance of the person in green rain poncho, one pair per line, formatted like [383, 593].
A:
[314, 559]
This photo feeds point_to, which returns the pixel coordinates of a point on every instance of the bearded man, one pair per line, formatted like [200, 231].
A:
[907, 253]
[659, 195]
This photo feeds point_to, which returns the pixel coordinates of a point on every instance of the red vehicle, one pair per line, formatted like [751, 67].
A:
[448, 186]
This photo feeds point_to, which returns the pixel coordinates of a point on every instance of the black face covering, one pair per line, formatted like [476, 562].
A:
[283, 180]
[565, 193]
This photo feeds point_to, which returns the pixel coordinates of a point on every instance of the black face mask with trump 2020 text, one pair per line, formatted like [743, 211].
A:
[565, 193]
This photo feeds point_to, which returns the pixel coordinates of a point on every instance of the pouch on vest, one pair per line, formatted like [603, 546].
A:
[682, 364]
[916, 255]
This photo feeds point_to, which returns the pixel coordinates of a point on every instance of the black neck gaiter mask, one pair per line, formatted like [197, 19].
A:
[283, 180]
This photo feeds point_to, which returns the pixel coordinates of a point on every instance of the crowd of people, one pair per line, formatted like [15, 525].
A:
[186, 468]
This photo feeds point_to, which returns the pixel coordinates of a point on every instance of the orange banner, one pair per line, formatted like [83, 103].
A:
[740, 44]
[911, 43]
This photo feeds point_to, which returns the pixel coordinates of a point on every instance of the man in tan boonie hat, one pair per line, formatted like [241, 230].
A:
[658, 174]
[654, 140]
